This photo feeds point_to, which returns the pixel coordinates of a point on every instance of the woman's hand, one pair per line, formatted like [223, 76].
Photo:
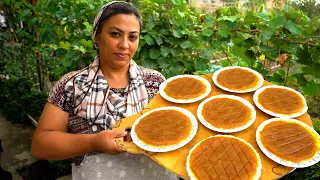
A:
[106, 141]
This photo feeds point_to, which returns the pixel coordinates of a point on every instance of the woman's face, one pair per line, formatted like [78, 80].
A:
[118, 40]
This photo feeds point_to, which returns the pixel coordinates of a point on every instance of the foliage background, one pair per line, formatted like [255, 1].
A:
[44, 41]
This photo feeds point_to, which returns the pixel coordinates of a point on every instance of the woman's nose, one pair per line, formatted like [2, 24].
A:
[124, 43]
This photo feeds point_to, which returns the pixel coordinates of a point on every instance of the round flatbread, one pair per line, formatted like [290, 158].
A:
[185, 89]
[223, 157]
[237, 79]
[164, 129]
[280, 101]
[226, 113]
[289, 142]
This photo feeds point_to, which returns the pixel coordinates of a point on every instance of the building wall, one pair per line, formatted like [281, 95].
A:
[211, 5]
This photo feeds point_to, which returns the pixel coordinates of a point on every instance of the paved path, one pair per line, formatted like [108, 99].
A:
[16, 143]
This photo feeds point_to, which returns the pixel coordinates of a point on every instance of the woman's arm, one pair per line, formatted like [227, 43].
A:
[52, 142]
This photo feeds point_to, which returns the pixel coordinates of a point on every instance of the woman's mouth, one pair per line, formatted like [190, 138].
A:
[121, 55]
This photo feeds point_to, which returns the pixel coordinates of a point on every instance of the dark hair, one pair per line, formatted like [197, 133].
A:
[118, 8]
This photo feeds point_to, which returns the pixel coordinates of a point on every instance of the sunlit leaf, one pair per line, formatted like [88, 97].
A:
[65, 45]
[177, 33]
[177, 2]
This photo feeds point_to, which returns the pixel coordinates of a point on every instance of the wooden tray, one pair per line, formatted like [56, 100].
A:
[175, 161]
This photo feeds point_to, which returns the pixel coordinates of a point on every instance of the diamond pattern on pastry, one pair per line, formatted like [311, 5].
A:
[223, 157]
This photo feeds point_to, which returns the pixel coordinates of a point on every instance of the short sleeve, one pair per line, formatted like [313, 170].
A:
[152, 80]
[57, 95]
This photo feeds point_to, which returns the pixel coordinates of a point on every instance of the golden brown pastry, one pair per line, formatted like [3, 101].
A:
[226, 113]
[185, 88]
[164, 128]
[223, 157]
[289, 141]
[238, 79]
[281, 101]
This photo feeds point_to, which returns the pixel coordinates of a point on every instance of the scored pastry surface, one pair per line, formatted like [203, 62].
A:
[226, 113]
[280, 101]
[237, 79]
[223, 157]
[289, 142]
[185, 88]
[164, 129]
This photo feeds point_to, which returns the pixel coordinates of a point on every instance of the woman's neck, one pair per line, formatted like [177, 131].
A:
[116, 78]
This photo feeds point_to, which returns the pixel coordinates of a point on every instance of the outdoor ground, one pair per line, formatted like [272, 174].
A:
[16, 142]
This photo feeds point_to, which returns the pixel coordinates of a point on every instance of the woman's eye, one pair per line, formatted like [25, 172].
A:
[132, 38]
[115, 34]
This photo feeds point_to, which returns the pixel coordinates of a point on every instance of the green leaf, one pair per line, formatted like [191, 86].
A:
[53, 46]
[282, 72]
[225, 63]
[311, 70]
[311, 89]
[229, 18]
[208, 20]
[315, 54]
[186, 44]
[266, 35]
[277, 78]
[34, 20]
[264, 15]
[65, 45]
[25, 12]
[207, 32]
[164, 63]
[181, 14]
[148, 39]
[238, 51]
[80, 48]
[177, 2]
[250, 18]
[89, 27]
[201, 64]
[159, 1]
[303, 55]
[279, 20]
[154, 53]
[150, 24]
[301, 80]
[177, 33]
[158, 39]
[292, 28]
[224, 31]
[187, 64]
[164, 50]
[17, 4]
[209, 52]
[175, 51]
[246, 35]
[83, 42]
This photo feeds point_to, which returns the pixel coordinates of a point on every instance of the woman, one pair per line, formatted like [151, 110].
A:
[82, 107]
